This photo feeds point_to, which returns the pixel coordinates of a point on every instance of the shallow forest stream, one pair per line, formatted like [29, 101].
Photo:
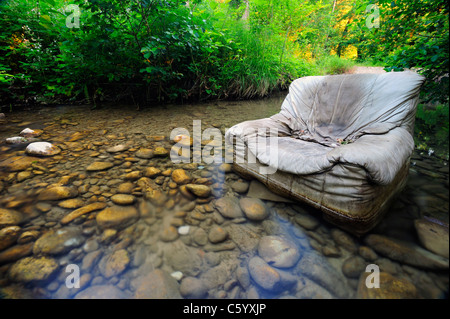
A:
[136, 225]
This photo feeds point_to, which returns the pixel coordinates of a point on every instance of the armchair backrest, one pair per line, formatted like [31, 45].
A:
[328, 108]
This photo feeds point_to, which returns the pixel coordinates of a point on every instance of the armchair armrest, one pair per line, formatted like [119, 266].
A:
[267, 126]
[381, 155]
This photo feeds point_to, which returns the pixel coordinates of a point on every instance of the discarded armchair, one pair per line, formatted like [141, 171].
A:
[341, 143]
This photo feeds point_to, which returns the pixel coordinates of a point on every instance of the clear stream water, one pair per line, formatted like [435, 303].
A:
[175, 245]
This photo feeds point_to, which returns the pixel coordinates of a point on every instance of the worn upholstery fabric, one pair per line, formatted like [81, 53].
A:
[342, 144]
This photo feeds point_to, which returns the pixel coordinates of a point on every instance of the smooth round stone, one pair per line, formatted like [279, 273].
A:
[145, 153]
[169, 234]
[71, 203]
[254, 208]
[278, 251]
[180, 177]
[433, 235]
[264, 275]
[240, 187]
[42, 149]
[152, 172]
[123, 199]
[390, 288]
[193, 288]
[58, 241]
[16, 140]
[200, 237]
[217, 235]
[125, 188]
[184, 230]
[99, 166]
[177, 275]
[229, 207]
[9, 217]
[199, 190]
[160, 151]
[344, 240]
[32, 269]
[117, 216]
[57, 193]
[114, 264]
[117, 148]
[367, 253]
[27, 132]
[354, 266]
[21, 176]
[8, 236]
[306, 221]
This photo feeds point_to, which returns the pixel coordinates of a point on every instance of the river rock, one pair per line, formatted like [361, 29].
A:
[114, 264]
[180, 177]
[240, 187]
[278, 251]
[117, 148]
[306, 221]
[264, 275]
[125, 188]
[27, 132]
[200, 237]
[181, 257]
[254, 208]
[161, 151]
[18, 163]
[390, 288]
[58, 241]
[117, 217]
[71, 203]
[42, 149]
[9, 217]
[152, 172]
[433, 235]
[318, 269]
[229, 207]
[158, 284]
[102, 292]
[217, 235]
[82, 211]
[8, 236]
[354, 266]
[32, 269]
[193, 288]
[259, 190]
[57, 193]
[99, 166]
[168, 234]
[144, 153]
[15, 252]
[405, 252]
[16, 140]
[123, 199]
[199, 190]
[344, 240]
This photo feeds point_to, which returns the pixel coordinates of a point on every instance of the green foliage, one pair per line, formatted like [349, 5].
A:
[432, 127]
[170, 50]
[334, 65]
[411, 35]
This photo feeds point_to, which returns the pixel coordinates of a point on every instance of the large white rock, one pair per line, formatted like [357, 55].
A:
[42, 148]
